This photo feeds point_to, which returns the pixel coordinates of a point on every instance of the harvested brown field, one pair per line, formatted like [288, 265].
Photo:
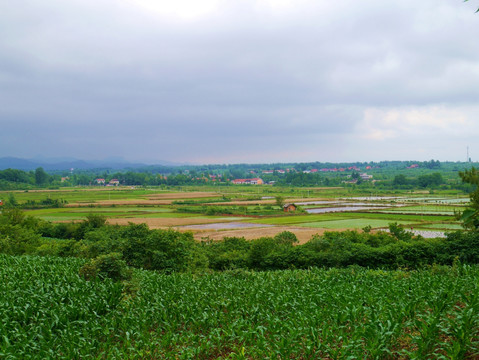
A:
[303, 235]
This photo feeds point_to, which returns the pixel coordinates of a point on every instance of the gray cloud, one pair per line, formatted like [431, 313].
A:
[108, 78]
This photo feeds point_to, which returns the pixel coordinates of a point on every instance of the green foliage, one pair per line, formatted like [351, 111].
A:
[279, 200]
[95, 221]
[17, 240]
[166, 250]
[109, 266]
[286, 237]
[12, 201]
[470, 217]
[172, 251]
[399, 232]
[268, 253]
[12, 216]
[41, 177]
[367, 229]
[431, 180]
[400, 179]
[48, 202]
[231, 253]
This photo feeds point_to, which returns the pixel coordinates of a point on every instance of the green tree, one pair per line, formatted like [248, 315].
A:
[279, 201]
[286, 237]
[470, 216]
[41, 177]
[400, 180]
[434, 179]
[12, 201]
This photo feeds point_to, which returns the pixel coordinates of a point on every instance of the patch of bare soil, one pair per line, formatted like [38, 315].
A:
[303, 234]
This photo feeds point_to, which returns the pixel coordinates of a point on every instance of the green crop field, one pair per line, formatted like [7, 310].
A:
[48, 311]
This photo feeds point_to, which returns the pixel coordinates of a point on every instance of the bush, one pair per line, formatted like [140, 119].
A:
[109, 266]
[16, 240]
[286, 237]
[167, 250]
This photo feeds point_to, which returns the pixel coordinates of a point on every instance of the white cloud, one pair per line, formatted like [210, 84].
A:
[386, 123]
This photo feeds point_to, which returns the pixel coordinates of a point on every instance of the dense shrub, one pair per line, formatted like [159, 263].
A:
[109, 266]
[230, 253]
[167, 250]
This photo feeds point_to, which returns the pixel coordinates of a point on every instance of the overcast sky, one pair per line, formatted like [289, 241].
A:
[210, 81]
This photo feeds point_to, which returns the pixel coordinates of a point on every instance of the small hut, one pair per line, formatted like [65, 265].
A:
[289, 207]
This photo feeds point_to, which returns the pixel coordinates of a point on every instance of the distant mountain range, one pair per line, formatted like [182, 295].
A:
[52, 164]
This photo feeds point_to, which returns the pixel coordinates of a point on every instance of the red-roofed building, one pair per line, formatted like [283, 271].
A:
[255, 181]
[115, 182]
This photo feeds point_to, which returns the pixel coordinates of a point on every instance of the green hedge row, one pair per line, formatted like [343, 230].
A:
[173, 251]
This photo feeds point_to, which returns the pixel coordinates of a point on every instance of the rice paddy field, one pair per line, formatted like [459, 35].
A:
[205, 210]
[48, 311]
[246, 207]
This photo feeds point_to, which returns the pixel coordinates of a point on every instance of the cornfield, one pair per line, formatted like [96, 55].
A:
[48, 311]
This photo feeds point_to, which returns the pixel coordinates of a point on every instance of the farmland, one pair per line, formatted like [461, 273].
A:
[205, 210]
[222, 272]
[48, 311]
